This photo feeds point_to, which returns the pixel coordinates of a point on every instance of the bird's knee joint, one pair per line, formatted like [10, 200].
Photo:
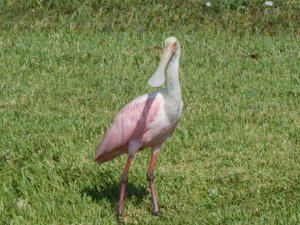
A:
[150, 176]
[124, 178]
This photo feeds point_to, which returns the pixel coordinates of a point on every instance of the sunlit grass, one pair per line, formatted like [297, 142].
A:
[234, 158]
[240, 16]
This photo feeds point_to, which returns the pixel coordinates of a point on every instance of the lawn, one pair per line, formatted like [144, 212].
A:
[234, 158]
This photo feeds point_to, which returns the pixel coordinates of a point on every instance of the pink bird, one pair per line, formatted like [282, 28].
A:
[147, 121]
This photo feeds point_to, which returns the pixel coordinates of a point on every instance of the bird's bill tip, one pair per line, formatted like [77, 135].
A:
[157, 79]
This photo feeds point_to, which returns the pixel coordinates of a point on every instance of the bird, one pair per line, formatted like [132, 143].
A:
[146, 122]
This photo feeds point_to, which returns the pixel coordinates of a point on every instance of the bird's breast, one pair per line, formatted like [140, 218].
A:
[164, 123]
[173, 110]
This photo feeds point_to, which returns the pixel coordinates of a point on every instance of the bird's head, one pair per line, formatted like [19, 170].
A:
[171, 50]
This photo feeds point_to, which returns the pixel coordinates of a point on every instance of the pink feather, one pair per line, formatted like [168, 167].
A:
[131, 123]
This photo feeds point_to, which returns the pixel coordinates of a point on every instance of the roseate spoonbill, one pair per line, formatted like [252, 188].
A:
[147, 121]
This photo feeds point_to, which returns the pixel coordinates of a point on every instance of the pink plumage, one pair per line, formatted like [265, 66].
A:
[133, 122]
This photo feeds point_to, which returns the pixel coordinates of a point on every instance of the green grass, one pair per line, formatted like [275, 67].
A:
[234, 158]
[238, 16]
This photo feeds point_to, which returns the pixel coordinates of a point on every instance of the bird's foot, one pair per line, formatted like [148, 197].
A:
[119, 217]
[122, 218]
[119, 214]
[157, 213]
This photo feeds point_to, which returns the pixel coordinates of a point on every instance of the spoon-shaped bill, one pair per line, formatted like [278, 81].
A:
[158, 78]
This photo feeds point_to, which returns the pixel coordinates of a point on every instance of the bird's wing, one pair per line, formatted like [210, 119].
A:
[130, 123]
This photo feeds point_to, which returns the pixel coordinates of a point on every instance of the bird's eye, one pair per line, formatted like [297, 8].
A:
[174, 45]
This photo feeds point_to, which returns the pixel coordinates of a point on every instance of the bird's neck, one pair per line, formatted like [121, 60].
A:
[173, 86]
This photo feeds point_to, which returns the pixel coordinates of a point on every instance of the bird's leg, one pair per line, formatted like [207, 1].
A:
[150, 176]
[124, 178]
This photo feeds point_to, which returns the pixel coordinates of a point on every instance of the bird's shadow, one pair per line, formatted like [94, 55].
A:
[105, 189]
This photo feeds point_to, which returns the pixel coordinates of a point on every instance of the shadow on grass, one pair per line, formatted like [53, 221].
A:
[110, 191]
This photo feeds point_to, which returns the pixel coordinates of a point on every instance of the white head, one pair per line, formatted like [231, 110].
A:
[171, 51]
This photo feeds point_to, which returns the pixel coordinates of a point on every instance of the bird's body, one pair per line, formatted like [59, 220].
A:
[147, 121]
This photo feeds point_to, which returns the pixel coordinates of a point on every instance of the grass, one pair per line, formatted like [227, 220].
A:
[237, 16]
[234, 158]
